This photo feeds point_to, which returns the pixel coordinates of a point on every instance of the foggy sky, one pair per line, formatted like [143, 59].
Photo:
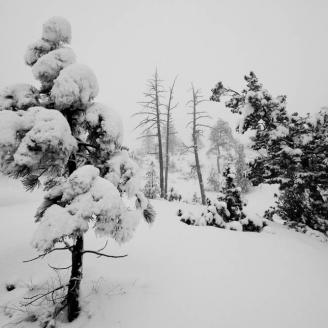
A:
[204, 41]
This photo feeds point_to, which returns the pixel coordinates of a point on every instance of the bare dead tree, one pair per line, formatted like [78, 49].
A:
[169, 131]
[152, 120]
[197, 130]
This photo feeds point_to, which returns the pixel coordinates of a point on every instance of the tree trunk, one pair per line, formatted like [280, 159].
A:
[218, 160]
[195, 142]
[199, 174]
[167, 153]
[159, 136]
[73, 304]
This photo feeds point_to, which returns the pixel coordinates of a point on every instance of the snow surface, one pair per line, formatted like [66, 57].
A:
[178, 275]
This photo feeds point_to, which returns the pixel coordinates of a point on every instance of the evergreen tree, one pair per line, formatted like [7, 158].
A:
[292, 151]
[231, 195]
[241, 168]
[151, 189]
[58, 133]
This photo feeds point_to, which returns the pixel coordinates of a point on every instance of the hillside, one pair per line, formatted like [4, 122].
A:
[176, 275]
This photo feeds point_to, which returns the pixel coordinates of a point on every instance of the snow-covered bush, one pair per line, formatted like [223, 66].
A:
[173, 195]
[58, 135]
[226, 211]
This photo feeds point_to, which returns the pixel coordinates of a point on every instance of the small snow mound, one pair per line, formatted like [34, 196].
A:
[75, 86]
[57, 29]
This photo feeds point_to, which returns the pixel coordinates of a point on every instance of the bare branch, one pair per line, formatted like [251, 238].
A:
[44, 254]
[102, 254]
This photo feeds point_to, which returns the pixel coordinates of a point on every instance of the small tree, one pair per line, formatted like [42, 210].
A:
[151, 189]
[59, 133]
[231, 195]
[241, 168]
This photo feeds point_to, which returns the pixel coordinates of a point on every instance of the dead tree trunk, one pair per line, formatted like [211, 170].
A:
[73, 294]
[218, 155]
[159, 137]
[168, 132]
[196, 131]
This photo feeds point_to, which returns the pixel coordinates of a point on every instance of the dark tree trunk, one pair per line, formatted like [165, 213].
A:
[73, 304]
[167, 152]
[218, 159]
[195, 146]
[159, 136]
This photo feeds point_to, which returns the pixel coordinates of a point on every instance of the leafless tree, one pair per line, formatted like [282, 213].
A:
[152, 120]
[169, 131]
[197, 130]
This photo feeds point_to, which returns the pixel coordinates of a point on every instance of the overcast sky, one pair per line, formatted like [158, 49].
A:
[284, 42]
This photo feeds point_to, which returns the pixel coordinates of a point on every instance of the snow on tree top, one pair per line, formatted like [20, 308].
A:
[47, 67]
[57, 29]
[76, 85]
[18, 96]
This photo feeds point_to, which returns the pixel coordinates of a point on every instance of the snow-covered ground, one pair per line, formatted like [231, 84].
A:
[177, 275]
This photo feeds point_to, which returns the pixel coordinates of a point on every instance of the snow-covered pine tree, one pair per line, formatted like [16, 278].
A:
[241, 168]
[231, 195]
[57, 133]
[151, 189]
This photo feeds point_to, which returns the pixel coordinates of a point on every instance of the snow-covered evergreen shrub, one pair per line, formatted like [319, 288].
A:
[151, 189]
[58, 133]
[173, 195]
[226, 211]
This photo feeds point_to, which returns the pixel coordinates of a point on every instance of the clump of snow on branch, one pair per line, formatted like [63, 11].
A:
[47, 67]
[56, 223]
[35, 136]
[56, 30]
[85, 197]
[75, 86]
[124, 173]
[107, 122]
[36, 50]
[18, 96]
[280, 132]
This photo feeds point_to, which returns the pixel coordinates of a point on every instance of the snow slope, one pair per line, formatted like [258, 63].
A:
[178, 275]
